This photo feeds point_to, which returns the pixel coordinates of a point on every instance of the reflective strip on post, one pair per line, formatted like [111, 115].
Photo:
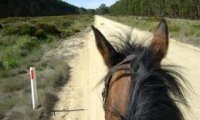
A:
[32, 74]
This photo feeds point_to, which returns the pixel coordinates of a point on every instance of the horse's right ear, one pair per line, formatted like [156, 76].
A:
[159, 44]
[110, 55]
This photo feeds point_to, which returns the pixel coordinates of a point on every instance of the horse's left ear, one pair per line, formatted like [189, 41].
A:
[159, 44]
[110, 55]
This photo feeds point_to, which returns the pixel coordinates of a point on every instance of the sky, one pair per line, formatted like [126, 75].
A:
[90, 4]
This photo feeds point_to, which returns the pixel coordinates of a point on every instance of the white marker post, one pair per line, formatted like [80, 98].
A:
[32, 74]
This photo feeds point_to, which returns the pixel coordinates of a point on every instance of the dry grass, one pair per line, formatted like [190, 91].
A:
[50, 79]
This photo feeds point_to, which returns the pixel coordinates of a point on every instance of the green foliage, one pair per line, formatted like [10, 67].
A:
[174, 29]
[195, 30]
[49, 28]
[12, 8]
[75, 30]
[163, 8]
[67, 24]
[1, 27]
[40, 33]
[40, 30]
[10, 62]
[103, 9]
[22, 36]
[14, 55]
[26, 29]
[9, 30]
[23, 42]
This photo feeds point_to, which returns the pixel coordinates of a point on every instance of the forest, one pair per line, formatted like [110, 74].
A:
[162, 8]
[10, 8]
[189, 9]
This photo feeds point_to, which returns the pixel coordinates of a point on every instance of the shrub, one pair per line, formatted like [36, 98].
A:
[14, 55]
[10, 62]
[67, 24]
[174, 28]
[40, 33]
[8, 40]
[22, 113]
[75, 30]
[8, 103]
[48, 103]
[10, 30]
[24, 29]
[62, 76]
[14, 115]
[1, 65]
[1, 27]
[14, 84]
[22, 48]
[152, 19]
[29, 44]
[194, 30]
[66, 34]
[49, 28]
[195, 26]
[24, 53]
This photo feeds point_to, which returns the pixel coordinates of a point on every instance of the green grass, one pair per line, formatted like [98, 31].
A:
[23, 42]
[21, 36]
[181, 29]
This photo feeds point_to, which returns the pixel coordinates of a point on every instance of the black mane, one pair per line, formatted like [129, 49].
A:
[156, 89]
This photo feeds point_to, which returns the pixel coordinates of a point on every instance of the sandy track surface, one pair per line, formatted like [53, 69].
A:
[80, 99]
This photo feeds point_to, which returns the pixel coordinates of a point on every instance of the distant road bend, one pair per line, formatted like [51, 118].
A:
[80, 100]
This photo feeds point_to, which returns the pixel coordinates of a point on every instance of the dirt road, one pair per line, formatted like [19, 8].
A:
[80, 99]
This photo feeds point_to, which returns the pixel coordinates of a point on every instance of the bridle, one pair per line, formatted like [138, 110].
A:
[113, 70]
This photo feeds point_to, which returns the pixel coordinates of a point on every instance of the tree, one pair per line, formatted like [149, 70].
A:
[103, 9]
[164, 8]
[10, 8]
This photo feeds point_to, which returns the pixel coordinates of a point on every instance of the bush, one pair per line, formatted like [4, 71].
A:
[40, 31]
[13, 85]
[8, 103]
[14, 115]
[48, 103]
[14, 55]
[1, 27]
[24, 48]
[10, 30]
[24, 53]
[66, 34]
[195, 26]
[67, 24]
[75, 30]
[152, 19]
[1, 65]
[24, 29]
[29, 44]
[49, 28]
[40, 34]
[195, 30]
[8, 40]
[10, 62]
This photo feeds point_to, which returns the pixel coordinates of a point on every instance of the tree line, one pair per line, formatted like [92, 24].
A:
[10, 8]
[162, 8]
[166, 8]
